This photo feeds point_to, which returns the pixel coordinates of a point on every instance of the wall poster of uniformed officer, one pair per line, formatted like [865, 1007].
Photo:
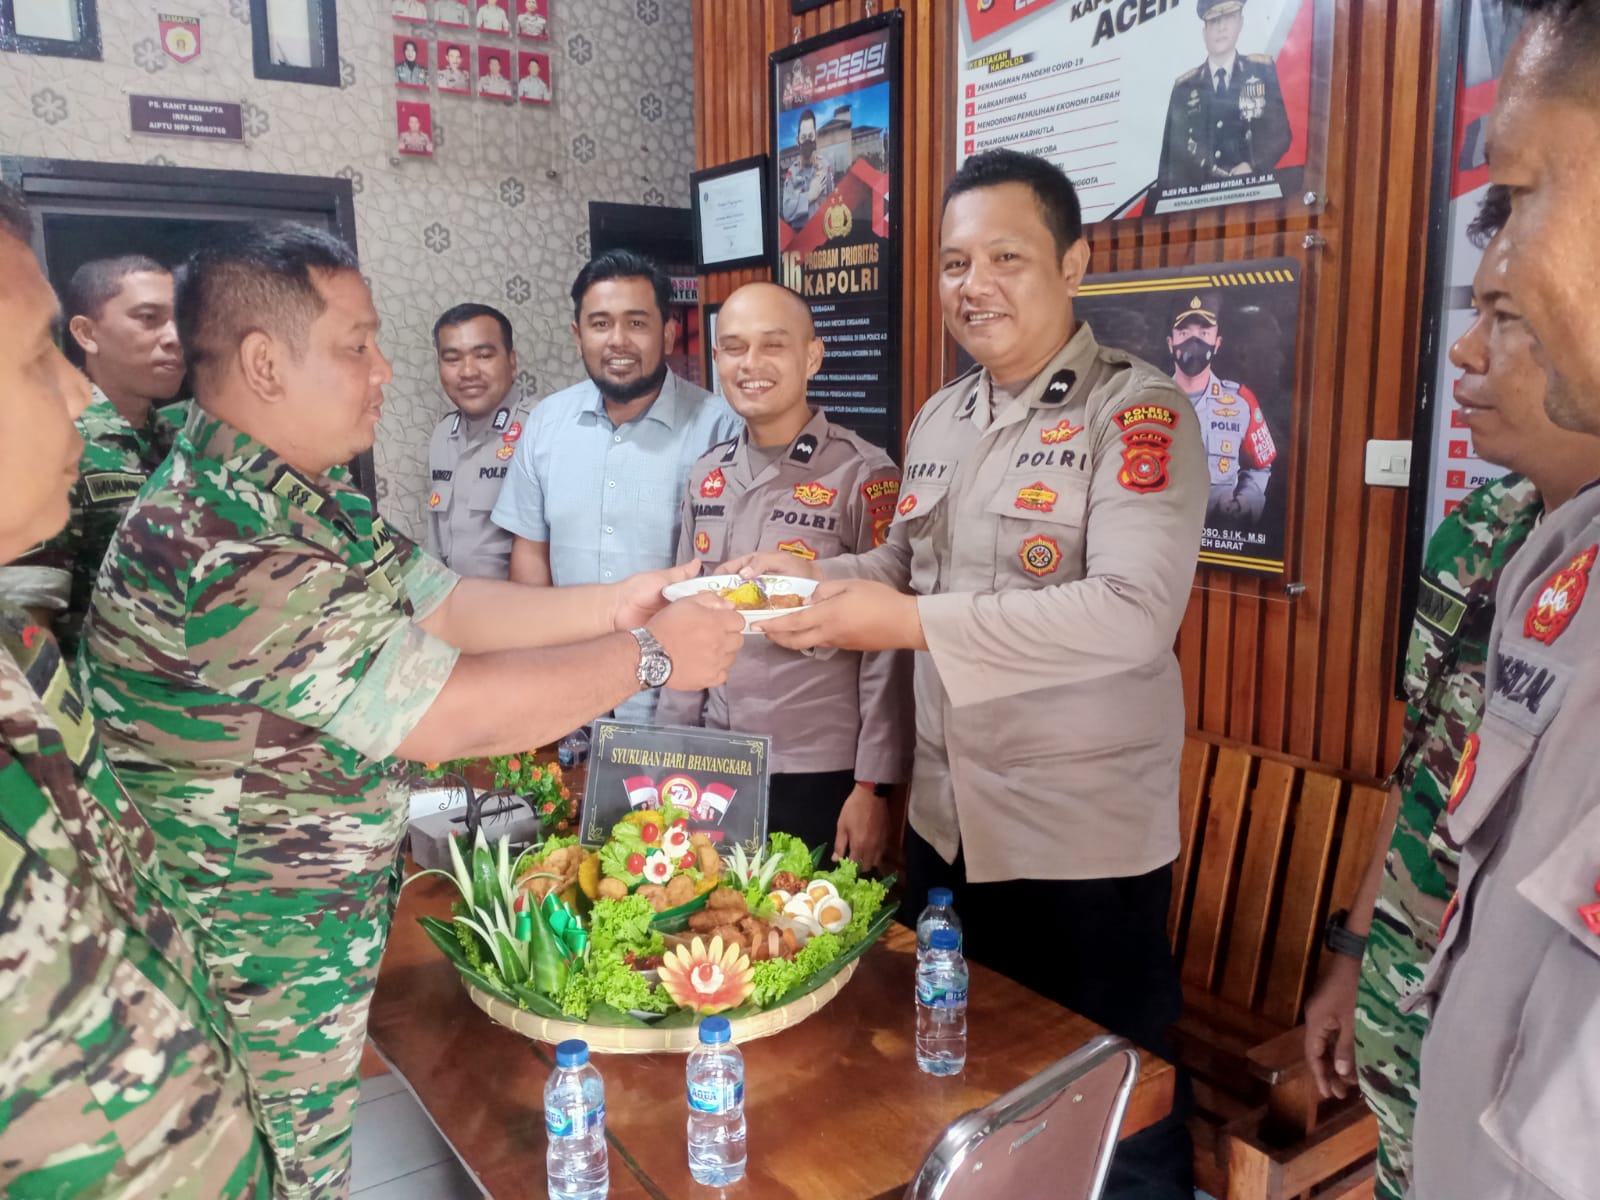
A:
[1226, 334]
[1210, 101]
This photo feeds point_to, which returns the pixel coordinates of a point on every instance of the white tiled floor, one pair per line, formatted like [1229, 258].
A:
[399, 1155]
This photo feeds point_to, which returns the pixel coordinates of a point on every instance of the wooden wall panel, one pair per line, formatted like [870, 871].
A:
[1310, 675]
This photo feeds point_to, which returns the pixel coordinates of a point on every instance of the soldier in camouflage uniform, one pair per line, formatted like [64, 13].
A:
[1501, 393]
[261, 644]
[119, 1073]
[122, 331]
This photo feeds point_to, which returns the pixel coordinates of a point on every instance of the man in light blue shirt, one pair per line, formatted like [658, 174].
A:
[598, 475]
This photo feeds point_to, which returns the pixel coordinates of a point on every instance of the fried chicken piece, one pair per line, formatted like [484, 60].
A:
[728, 900]
[786, 600]
[704, 921]
[709, 861]
[752, 929]
[612, 889]
[656, 895]
[787, 881]
[680, 890]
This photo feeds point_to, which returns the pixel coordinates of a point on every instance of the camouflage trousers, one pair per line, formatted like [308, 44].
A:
[1388, 1046]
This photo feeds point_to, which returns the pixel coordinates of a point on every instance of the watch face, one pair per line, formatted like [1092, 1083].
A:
[655, 669]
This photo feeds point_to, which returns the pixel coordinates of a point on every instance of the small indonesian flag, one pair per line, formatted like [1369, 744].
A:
[642, 792]
[714, 801]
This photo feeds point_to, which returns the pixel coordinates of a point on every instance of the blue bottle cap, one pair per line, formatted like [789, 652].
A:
[940, 897]
[944, 939]
[573, 1053]
[715, 1030]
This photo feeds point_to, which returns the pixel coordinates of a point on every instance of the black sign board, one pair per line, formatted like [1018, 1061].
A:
[171, 116]
[719, 779]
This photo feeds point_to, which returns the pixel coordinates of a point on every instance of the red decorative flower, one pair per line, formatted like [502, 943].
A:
[514, 764]
[547, 807]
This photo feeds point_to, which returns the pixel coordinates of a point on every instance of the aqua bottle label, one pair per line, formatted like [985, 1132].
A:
[715, 1095]
[561, 1124]
[934, 996]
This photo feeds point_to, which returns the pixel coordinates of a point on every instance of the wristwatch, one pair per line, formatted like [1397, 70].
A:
[1340, 940]
[655, 668]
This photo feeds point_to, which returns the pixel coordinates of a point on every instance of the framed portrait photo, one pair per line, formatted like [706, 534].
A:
[494, 73]
[533, 78]
[494, 17]
[454, 73]
[411, 62]
[414, 122]
[409, 10]
[730, 203]
[295, 41]
[453, 12]
[533, 19]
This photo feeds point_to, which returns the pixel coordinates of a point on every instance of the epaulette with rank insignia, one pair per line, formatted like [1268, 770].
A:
[1257, 58]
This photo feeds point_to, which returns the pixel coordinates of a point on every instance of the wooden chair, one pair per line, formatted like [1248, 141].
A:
[1052, 1136]
[1270, 847]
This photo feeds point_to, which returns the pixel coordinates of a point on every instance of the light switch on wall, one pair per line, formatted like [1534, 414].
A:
[1388, 464]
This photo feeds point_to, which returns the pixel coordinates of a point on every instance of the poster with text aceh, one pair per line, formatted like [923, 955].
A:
[1149, 106]
[1225, 333]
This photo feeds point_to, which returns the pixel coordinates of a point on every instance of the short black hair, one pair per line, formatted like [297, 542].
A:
[15, 218]
[408, 43]
[1493, 213]
[622, 264]
[254, 276]
[1573, 69]
[94, 285]
[1058, 199]
[805, 116]
[462, 313]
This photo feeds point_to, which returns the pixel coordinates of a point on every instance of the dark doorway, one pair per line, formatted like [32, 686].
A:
[84, 211]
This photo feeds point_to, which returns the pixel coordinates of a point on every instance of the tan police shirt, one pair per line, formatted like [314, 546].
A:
[1052, 538]
[829, 492]
[467, 463]
[1511, 1063]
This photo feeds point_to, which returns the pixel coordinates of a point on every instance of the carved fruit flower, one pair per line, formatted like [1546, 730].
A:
[676, 842]
[657, 867]
[707, 980]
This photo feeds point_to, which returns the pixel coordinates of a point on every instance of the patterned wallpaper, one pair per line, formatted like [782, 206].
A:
[499, 214]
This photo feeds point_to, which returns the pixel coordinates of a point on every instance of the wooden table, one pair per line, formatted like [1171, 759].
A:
[836, 1105]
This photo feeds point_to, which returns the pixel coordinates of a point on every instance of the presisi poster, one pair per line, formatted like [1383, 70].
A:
[1125, 96]
[1454, 469]
[1226, 333]
[835, 153]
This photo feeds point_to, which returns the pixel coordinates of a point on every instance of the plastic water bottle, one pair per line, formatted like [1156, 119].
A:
[574, 748]
[575, 1119]
[716, 1106]
[942, 1006]
[938, 915]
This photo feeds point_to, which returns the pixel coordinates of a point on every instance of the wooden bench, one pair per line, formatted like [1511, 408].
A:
[1270, 847]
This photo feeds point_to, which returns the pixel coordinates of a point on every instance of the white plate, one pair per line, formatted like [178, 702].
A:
[775, 585]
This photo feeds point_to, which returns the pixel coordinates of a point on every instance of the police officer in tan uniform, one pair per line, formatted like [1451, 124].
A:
[472, 447]
[1511, 1062]
[795, 483]
[1040, 561]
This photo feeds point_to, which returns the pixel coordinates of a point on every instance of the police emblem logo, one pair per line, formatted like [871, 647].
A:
[880, 529]
[512, 434]
[907, 504]
[1590, 914]
[1063, 431]
[501, 418]
[1144, 461]
[505, 452]
[702, 542]
[1558, 601]
[433, 500]
[837, 221]
[713, 483]
[1040, 555]
[1224, 465]
[1037, 498]
[814, 495]
[880, 489]
[1465, 770]
[798, 548]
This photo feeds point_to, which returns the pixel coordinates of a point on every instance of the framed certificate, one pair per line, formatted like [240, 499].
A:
[731, 228]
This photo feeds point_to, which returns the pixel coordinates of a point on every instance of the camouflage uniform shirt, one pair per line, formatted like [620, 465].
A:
[118, 1076]
[59, 575]
[1445, 666]
[254, 658]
